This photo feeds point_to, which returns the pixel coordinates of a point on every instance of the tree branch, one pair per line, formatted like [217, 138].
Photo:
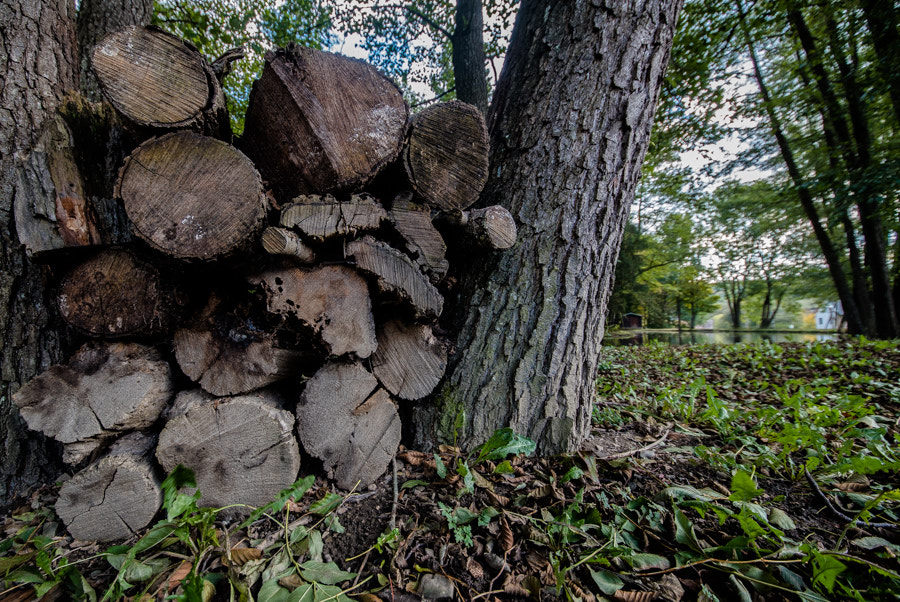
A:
[427, 21]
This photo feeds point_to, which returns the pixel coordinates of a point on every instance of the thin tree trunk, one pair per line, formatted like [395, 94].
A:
[881, 18]
[38, 62]
[570, 124]
[468, 55]
[96, 18]
[832, 257]
[857, 158]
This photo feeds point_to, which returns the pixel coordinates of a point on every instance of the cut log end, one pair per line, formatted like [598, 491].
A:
[152, 77]
[347, 421]
[409, 361]
[446, 157]
[192, 196]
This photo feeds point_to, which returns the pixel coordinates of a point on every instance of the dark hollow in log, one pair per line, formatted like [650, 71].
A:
[446, 157]
[115, 497]
[192, 196]
[396, 275]
[319, 122]
[242, 449]
[158, 80]
[347, 421]
[332, 301]
[410, 360]
[115, 294]
[226, 352]
[104, 390]
[281, 241]
[51, 208]
[423, 241]
[322, 217]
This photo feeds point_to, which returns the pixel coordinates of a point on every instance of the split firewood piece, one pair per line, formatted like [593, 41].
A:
[115, 294]
[348, 422]
[192, 196]
[158, 80]
[319, 122]
[226, 353]
[410, 360]
[51, 208]
[281, 241]
[104, 390]
[446, 157]
[242, 449]
[115, 497]
[321, 217]
[333, 301]
[423, 241]
[397, 275]
[491, 227]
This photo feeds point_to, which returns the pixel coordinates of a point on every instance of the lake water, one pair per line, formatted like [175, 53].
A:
[713, 337]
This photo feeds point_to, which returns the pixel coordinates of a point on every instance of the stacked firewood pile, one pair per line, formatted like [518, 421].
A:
[276, 295]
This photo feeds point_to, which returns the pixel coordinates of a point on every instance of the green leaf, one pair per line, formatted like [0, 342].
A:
[139, 571]
[572, 474]
[440, 467]
[826, 569]
[326, 504]
[174, 502]
[684, 531]
[414, 483]
[321, 572]
[504, 442]
[743, 488]
[504, 468]
[607, 582]
[873, 543]
[780, 519]
[680, 492]
[294, 492]
[271, 591]
[158, 533]
[742, 593]
[645, 562]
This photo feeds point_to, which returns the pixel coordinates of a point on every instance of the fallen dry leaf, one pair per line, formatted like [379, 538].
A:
[241, 556]
[513, 586]
[178, 575]
[634, 596]
[291, 582]
[506, 536]
[474, 568]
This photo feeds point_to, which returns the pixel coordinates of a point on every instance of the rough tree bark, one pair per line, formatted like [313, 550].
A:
[38, 62]
[468, 54]
[570, 124]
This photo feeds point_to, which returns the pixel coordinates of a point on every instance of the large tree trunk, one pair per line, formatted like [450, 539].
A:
[38, 62]
[468, 55]
[570, 124]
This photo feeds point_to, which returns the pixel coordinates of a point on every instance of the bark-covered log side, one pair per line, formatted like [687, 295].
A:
[104, 390]
[318, 122]
[115, 294]
[113, 498]
[242, 449]
[424, 243]
[446, 157]
[322, 217]
[396, 275]
[332, 301]
[570, 125]
[96, 19]
[347, 421]
[51, 208]
[38, 63]
[490, 227]
[192, 196]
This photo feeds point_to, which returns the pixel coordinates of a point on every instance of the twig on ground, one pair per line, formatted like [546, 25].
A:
[362, 565]
[625, 454]
[393, 524]
[856, 523]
